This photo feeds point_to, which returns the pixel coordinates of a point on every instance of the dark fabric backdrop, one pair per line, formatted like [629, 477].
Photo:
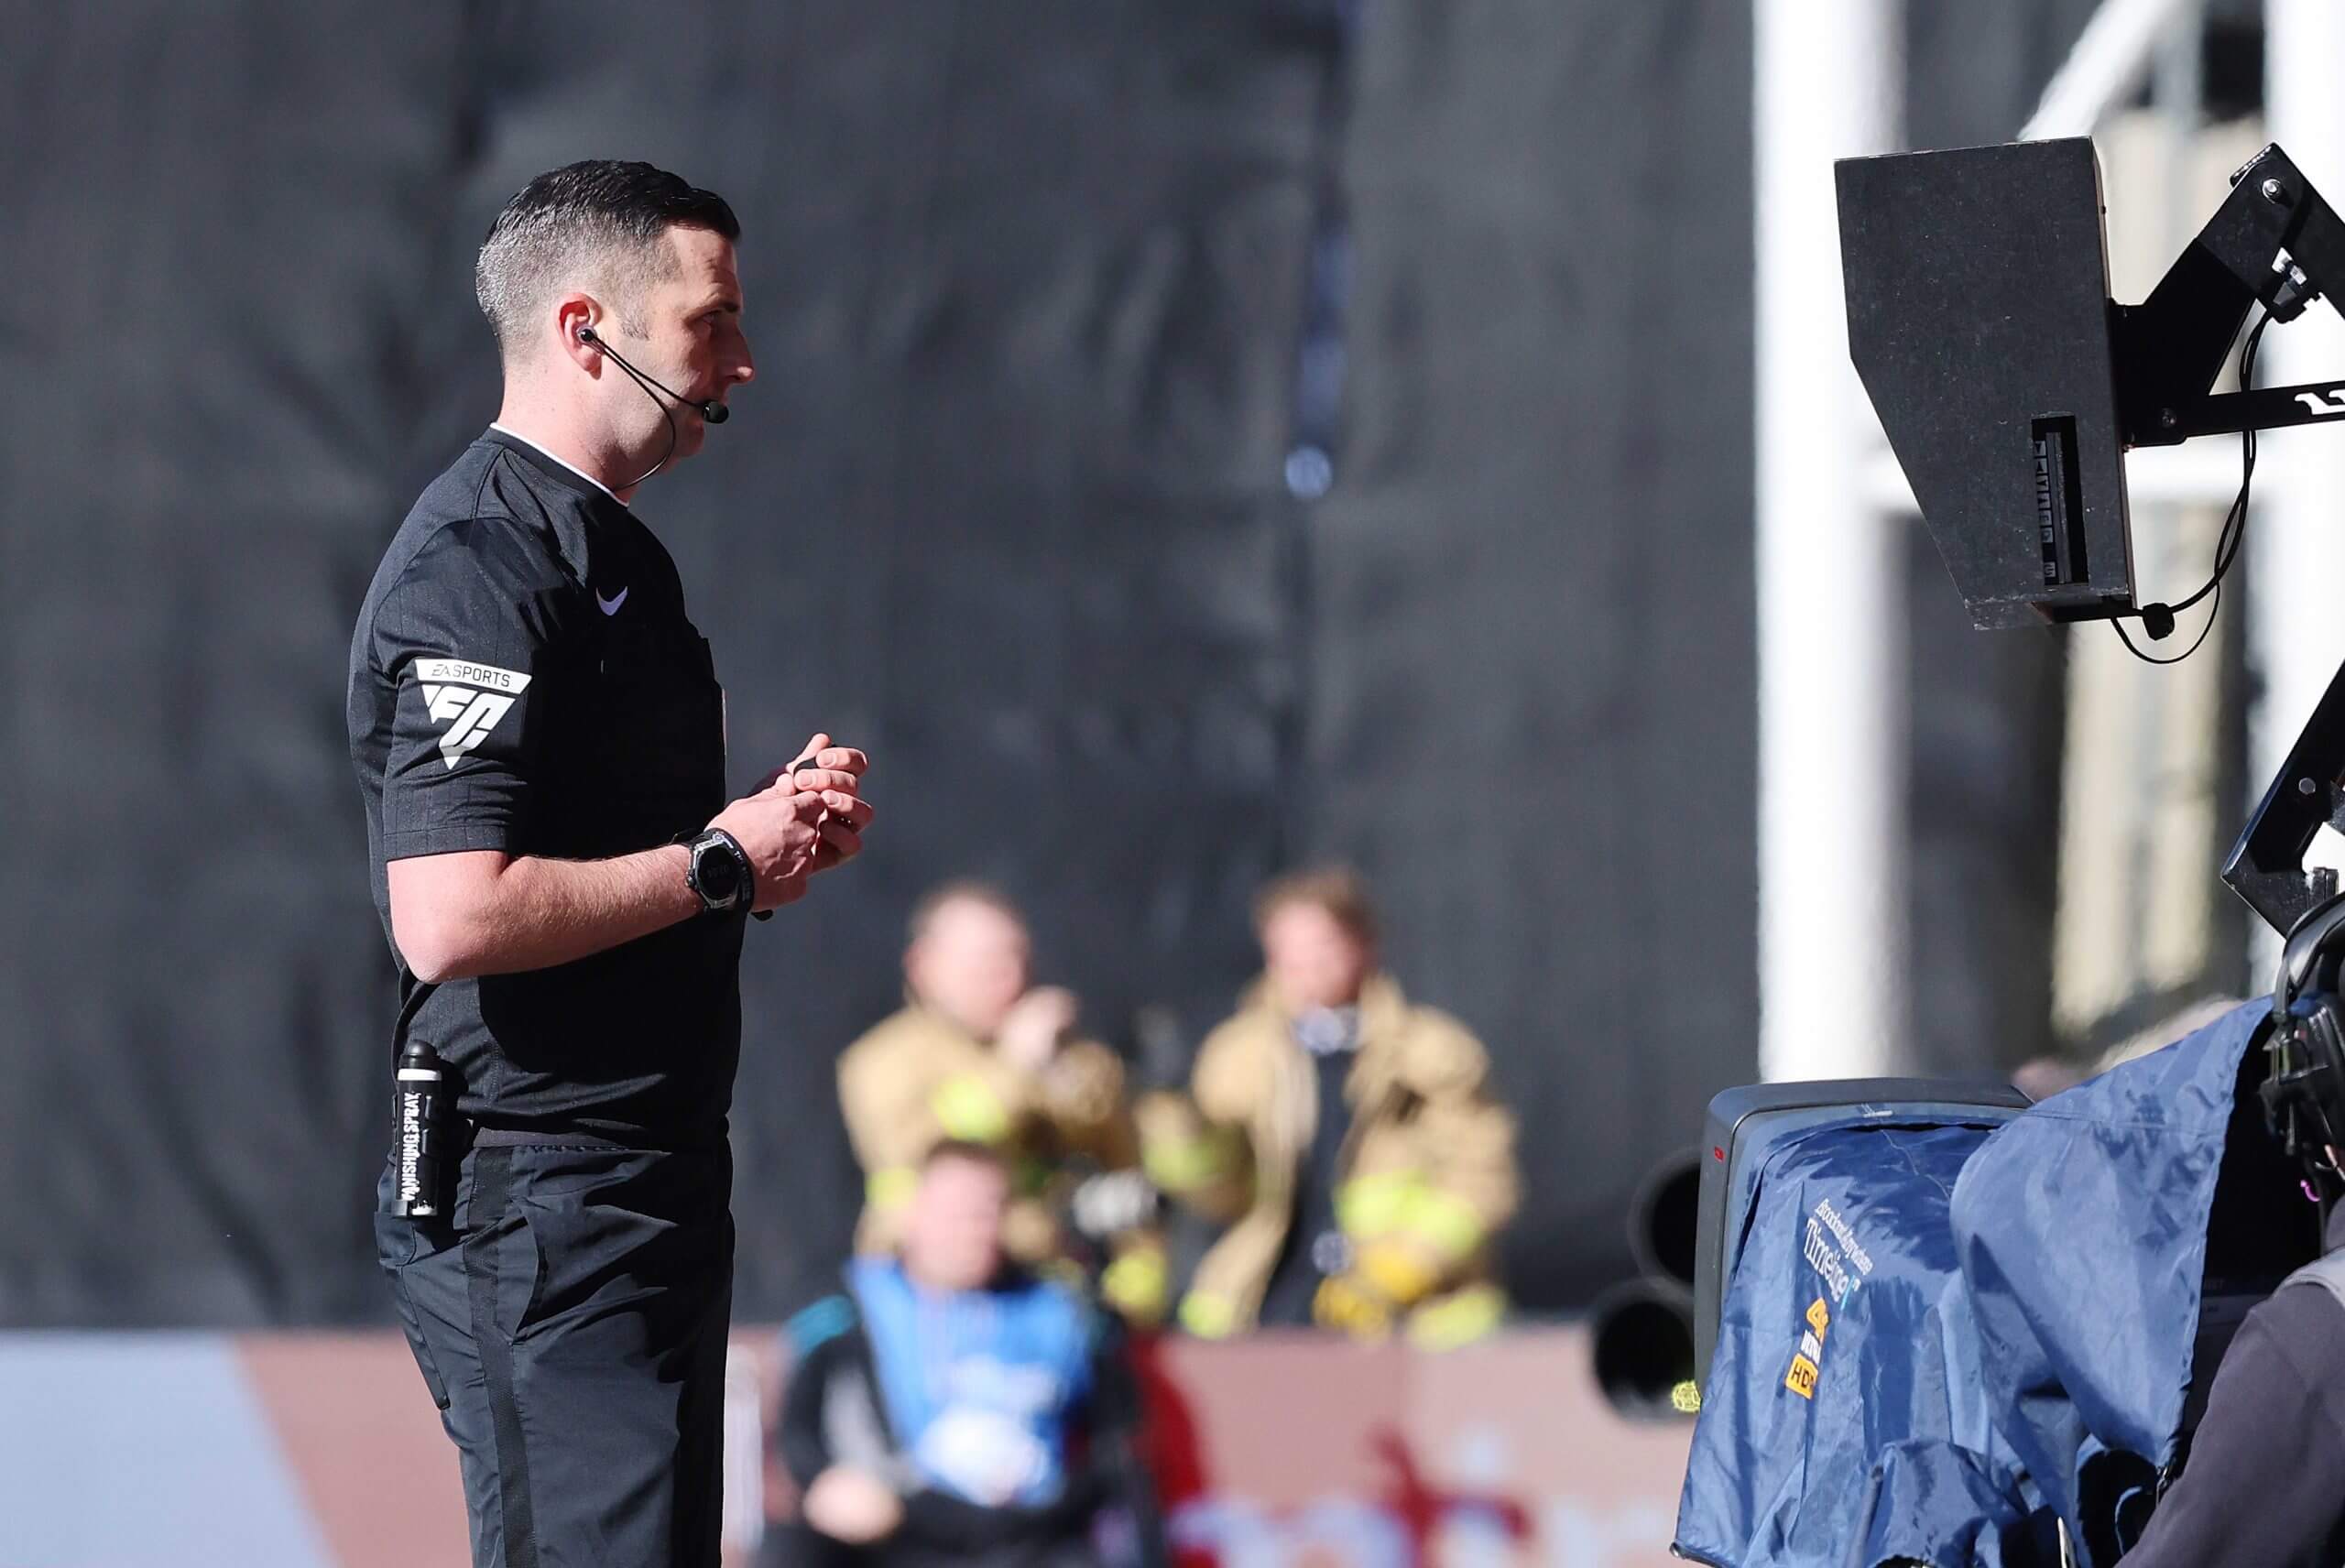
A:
[1007, 506]
[1532, 709]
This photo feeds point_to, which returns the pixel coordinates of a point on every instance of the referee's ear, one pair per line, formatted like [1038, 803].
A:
[576, 319]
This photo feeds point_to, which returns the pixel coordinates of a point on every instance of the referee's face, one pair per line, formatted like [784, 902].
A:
[694, 322]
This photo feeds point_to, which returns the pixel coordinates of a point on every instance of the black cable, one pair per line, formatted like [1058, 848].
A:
[662, 396]
[2212, 611]
[665, 407]
[2227, 542]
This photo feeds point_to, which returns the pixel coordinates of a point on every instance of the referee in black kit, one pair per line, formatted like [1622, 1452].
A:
[540, 738]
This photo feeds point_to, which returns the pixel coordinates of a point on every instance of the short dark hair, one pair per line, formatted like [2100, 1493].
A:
[960, 890]
[1338, 889]
[598, 218]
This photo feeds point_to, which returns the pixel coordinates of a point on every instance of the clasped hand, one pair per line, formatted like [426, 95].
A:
[801, 819]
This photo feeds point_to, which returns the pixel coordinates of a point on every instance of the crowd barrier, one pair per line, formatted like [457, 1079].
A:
[321, 1451]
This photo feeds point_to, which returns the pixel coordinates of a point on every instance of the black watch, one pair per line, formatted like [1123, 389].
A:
[719, 873]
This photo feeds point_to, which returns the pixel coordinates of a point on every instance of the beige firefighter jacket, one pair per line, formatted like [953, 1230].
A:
[917, 1079]
[1429, 1161]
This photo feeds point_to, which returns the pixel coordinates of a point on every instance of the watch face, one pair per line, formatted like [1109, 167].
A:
[717, 873]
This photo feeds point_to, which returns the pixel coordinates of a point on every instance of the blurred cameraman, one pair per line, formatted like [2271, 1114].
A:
[1381, 1169]
[980, 1054]
[930, 1411]
[2263, 1485]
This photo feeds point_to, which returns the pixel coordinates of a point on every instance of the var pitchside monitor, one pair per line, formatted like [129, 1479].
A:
[1979, 323]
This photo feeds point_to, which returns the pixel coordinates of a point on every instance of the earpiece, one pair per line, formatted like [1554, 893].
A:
[2304, 1089]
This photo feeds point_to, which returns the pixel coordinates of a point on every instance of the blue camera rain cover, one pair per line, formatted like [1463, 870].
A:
[1844, 1338]
[2082, 1228]
[1937, 1336]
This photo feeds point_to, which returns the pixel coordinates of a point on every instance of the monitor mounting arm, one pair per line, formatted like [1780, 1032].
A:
[2273, 239]
[2266, 867]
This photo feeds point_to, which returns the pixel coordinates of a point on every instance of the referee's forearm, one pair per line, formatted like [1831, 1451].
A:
[535, 913]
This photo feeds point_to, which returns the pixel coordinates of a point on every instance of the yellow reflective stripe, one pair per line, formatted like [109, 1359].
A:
[1460, 1320]
[891, 1188]
[1444, 1221]
[1208, 1316]
[966, 1108]
[1135, 1283]
[1368, 1207]
[1395, 1268]
[1182, 1165]
[1345, 1305]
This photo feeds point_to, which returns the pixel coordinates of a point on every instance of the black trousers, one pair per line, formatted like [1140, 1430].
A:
[570, 1320]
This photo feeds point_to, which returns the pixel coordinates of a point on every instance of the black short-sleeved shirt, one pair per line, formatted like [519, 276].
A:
[523, 678]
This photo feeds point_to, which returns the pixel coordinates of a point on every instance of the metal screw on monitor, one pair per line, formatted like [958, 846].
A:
[2275, 191]
[2306, 786]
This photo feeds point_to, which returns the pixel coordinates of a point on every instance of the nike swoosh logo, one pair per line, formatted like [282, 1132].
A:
[611, 605]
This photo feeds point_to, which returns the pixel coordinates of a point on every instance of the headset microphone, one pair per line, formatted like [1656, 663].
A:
[714, 412]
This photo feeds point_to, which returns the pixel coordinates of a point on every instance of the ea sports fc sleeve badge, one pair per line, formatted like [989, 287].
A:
[466, 700]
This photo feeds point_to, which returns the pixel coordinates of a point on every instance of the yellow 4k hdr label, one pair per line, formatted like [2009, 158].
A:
[1819, 1316]
[1801, 1378]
